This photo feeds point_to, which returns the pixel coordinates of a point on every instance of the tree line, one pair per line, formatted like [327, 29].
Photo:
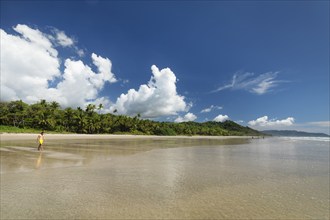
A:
[49, 116]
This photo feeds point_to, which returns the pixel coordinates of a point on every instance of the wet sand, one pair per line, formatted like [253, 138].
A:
[27, 136]
[164, 178]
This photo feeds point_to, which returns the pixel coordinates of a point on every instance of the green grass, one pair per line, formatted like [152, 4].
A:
[12, 129]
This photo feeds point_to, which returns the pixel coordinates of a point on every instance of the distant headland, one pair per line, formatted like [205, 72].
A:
[293, 133]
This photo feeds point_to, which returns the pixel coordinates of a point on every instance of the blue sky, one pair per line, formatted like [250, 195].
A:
[261, 64]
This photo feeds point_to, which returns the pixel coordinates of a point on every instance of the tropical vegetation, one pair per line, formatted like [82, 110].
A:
[49, 116]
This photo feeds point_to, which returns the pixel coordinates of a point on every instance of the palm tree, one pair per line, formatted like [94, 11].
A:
[43, 102]
[100, 107]
[90, 120]
[80, 120]
[90, 109]
[54, 105]
[4, 116]
[68, 116]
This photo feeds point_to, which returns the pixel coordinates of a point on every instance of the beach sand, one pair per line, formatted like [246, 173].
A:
[28, 136]
[157, 177]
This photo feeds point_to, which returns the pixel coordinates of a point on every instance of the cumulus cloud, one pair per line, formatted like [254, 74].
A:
[36, 38]
[211, 108]
[30, 62]
[80, 84]
[221, 118]
[264, 122]
[157, 98]
[31, 70]
[188, 117]
[260, 84]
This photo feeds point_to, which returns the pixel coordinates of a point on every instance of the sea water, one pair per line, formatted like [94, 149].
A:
[271, 178]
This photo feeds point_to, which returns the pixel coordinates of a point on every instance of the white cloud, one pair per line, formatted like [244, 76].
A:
[188, 117]
[30, 71]
[264, 122]
[63, 39]
[255, 84]
[206, 110]
[158, 98]
[29, 62]
[221, 118]
[80, 84]
[209, 109]
[80, 52]
[104, 66]
[36, 38]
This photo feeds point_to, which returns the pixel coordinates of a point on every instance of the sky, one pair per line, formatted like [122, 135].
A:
[262, 64]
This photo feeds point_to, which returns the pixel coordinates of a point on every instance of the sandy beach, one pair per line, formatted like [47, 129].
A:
[158, 177]
[29, 136]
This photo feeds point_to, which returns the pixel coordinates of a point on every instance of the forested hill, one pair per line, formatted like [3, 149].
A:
[293, 133]
[49, 116]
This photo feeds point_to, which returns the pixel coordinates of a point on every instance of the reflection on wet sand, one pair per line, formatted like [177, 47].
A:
[16, 156]
[38, 163]
[165, 179]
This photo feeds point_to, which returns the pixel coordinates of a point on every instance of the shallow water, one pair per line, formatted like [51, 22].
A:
[273, 178]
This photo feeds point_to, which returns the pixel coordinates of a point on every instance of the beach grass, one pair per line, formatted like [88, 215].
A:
[13, 129]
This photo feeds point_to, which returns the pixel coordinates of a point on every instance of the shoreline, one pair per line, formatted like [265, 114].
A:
[30, 136]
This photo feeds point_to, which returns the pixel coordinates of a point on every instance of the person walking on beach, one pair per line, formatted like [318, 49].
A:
[40, 140]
